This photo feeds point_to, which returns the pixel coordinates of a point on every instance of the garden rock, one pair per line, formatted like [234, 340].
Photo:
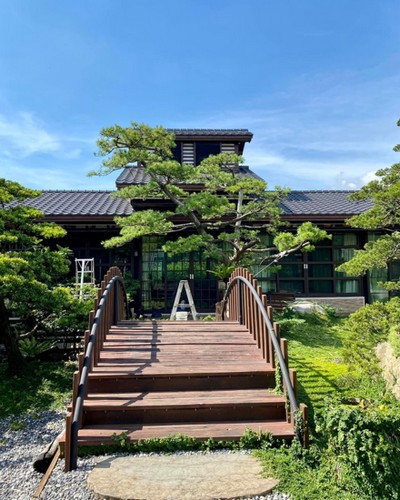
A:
[307, 308]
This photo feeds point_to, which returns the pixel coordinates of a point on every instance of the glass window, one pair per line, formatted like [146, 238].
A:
[320, 270]
[268, 286]
[264, 271]
[347, 286]
[344, 239]
[394, 268]
[320, 255]
[293, 286]
[343, 254]
[324, 243]
[293, 257]
[291, 271]
[321, 286]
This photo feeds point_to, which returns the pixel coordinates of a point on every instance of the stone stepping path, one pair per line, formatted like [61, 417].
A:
[183, 477]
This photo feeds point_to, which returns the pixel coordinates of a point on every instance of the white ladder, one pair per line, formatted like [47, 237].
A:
[183, 284]
[84, 275]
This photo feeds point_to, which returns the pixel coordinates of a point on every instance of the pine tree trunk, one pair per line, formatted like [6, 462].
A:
[14, 356]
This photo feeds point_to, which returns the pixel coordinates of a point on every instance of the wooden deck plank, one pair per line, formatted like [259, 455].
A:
[181, 398]
[199, 378]
[223, 431]
[180, 369]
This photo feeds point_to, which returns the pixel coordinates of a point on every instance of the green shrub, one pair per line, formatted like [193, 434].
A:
[30, 347]
[366, 328]
[73, 312]
[363, 447]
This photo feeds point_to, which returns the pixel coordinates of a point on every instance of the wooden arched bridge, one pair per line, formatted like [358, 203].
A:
[202, 379]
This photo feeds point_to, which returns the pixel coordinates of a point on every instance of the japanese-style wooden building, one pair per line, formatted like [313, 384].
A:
[88, 217]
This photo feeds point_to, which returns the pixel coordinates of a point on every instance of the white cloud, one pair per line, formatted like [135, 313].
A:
[37, 176]
[25, 135]
[35, 156]
[321, 132]
[368, 177]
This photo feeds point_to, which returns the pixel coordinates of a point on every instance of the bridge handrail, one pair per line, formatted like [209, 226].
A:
[240, 276]
[109, 307]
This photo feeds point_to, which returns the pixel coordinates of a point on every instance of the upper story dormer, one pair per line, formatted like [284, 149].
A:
[192, 147]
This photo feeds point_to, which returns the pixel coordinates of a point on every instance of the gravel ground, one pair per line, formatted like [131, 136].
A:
[18, 479]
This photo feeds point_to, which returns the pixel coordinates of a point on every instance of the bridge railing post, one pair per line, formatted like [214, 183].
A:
[240, 303]
[107, 311]
[252, 304]
[116, 302]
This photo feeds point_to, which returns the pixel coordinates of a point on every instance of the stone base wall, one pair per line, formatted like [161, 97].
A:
[344, 305]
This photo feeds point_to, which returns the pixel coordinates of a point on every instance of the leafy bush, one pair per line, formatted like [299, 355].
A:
[30, 347]
[73, 312]
[180, 442]
[367, 327]
[303, 474]
[363, 447]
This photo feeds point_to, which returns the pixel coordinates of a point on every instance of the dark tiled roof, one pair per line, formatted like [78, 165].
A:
[137, 175]
[212, 132]
[323, 203]
[86, 203]
[132, 175]
[100, 203]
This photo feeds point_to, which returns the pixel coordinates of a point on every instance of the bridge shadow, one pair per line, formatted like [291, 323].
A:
[314, 386]
[141, 362]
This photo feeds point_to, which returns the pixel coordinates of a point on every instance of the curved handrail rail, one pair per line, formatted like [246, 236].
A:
[237, 278]
[110, 292]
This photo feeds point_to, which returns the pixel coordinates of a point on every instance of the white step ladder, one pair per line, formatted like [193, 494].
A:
[183, 284]
[84, 275]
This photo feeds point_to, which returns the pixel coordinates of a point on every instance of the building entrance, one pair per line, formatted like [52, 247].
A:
[161, 275]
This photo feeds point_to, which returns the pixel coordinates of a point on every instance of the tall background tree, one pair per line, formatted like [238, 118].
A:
[28, 268]
[383, 217]
[211, 205]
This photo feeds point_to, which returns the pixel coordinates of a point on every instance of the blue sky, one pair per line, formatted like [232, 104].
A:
[317, 82]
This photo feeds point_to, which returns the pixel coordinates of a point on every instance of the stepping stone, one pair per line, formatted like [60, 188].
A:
[183, 477]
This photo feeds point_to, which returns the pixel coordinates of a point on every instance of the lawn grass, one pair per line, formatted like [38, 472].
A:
[41, 386]
[315, 352]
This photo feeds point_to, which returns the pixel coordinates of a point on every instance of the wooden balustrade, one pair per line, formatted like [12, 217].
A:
[244, 302]
[109, 307]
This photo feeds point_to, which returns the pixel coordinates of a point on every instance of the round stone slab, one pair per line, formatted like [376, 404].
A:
[183, 477]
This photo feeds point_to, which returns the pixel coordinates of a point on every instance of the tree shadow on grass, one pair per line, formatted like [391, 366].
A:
[41, 385]
[313, 334]
[314, 385]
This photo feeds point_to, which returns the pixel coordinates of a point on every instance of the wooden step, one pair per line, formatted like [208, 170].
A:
[180, 379]
[204, 380]
[183, 406]
[94, 435]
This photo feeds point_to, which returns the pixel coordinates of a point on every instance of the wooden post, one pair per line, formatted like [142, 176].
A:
[277, 330]
[284, 349]
[67, 451]
[75, 387]
[260, 323]
[267, 339]
[293, 379]
[91, 319]
[81, 358]
[304, 414]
